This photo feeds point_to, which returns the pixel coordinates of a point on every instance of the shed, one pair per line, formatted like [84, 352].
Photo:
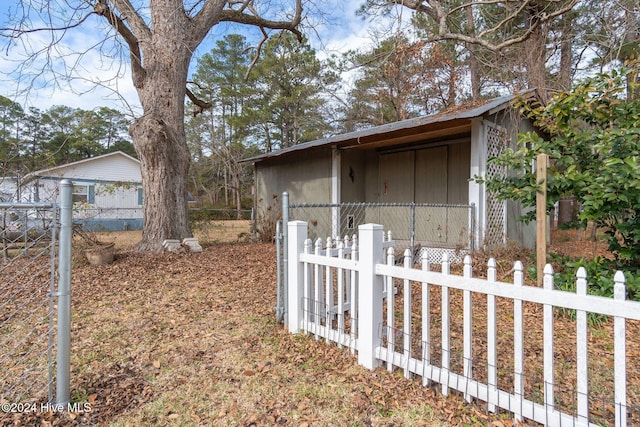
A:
[107, 190]
[428, 159]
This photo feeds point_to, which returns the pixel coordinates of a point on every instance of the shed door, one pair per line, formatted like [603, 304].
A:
[431, 175]
[431, 187]
[396, 185]
[397, 177]
[437, 175]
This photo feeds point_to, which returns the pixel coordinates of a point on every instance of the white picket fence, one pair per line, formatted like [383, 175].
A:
[349, 293]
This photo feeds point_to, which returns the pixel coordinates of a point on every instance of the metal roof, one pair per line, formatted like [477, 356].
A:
[379, 133]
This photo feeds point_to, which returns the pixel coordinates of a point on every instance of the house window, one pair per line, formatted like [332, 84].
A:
[83, 194]
[140, 196]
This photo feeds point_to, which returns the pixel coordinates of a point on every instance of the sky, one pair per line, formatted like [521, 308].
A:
[337, 31]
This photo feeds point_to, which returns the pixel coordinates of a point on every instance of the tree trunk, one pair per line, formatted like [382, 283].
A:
[630, 49]
[566, 53]
[165, 164]
[160, 141]
[474, 66]
[238, 196]
[535, 53]
[226, 186]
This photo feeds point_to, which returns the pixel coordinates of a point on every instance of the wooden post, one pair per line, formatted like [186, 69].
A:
[541, 214]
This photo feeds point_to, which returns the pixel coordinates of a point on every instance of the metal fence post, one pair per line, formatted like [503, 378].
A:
[64, 294]
[285, 251]
[52, 290]
[252, 227]
[472, 227]
[412, 235]
[279, 308]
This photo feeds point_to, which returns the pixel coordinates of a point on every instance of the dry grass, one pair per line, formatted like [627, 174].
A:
[207, 233]
[190, 340]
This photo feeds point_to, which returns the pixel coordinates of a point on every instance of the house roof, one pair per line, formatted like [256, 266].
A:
[442, 124]
[60, 168]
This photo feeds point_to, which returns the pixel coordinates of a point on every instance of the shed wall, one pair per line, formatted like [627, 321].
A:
[354, 177]
[516, 230]
[306, 178]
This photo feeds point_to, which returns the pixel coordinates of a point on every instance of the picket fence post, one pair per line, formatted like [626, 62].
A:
[370, 289]
[620, 353]
[295, 283]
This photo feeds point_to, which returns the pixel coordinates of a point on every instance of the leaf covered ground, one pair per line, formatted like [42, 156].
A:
[190, 340]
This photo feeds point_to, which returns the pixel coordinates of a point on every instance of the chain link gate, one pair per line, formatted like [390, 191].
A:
[35, 241]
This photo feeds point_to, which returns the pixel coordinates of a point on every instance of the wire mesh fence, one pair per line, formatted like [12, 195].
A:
[107, 219]
[423, 228]
[28, 236]
[35, 303]
[214, 214]
[434, 228]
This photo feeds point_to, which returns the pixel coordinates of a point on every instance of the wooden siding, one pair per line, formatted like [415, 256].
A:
[108, 168]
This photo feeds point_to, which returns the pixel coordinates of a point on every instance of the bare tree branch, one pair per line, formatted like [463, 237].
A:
[202, 105]
[15, 33]
[229, 15]
[205, 19]
[265, 36]
[102, 9]
[129, 14]
[435, 10]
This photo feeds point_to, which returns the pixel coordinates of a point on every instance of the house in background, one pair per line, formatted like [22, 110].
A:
[428, 159]
[8, 188]
[107, 190]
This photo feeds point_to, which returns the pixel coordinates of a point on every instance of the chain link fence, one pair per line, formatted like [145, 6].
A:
[28, 239]
[35, 241]
[108, 219]
[434, 228]
[215, 214]
[428, 228]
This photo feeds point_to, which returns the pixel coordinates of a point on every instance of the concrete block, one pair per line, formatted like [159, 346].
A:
[174, 246]
[192, 244]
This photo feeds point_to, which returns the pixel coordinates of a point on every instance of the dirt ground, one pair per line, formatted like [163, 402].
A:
[208, 233]
[578, 243]
[191, 340]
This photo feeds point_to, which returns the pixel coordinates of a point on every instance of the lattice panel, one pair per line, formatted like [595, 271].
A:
[496, 145]
[434, 255]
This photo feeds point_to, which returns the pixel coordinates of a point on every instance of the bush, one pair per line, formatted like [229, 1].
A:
[600, 274]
